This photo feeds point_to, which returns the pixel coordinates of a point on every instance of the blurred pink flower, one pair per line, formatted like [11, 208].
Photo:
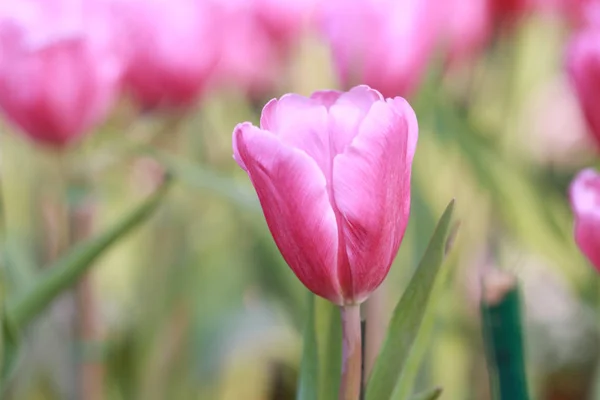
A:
[383, 43]
[332, 173]
[508, 11]
[284, 21]
[172, 47]
[60, 67]
[583, 65]
[256, 40]
[468, 28]
[504, 10]
[586, 12]
[585, 202]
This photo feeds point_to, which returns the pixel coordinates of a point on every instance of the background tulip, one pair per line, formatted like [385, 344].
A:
[256, 41]
[583, 64]
[585, 202]
[60, 67]
[172, 50]
[382, 43]
[332, 173]
[468, 28]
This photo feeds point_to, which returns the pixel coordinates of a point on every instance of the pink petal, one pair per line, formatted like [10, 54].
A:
[361, 96]
[583, 64]
[584, 194]
[300, 122]
[326, 97]
[347, 113]
[234, 141]
[292, 192]
[371, 187]
[587, 236]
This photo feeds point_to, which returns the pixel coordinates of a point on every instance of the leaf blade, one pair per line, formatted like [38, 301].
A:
[65, 272]
[408, 314]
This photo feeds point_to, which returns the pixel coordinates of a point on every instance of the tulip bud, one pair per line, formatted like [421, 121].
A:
[583, 64]
[60, 67]
[385, 44]
[585, 202]
[332, 173]
[172, 50]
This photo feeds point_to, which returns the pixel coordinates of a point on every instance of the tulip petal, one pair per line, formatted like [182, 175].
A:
[292, 192]
[300, 122]
[583, 65]
[371, 187]
[584, 195]
[587, 236]
[347, 113]
[326, 97]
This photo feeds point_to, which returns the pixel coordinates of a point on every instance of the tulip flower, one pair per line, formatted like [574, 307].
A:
[248, 60]
[256, 40]
[508, 11]
[467, 28]
[172, 50]
[332, 173]
[385, 44]
[60, 67]
[585, 202]
[583, 65]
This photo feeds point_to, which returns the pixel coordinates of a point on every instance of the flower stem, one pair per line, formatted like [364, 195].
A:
[351, 353]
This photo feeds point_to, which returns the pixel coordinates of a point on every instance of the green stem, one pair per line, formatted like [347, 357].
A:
[503, 334]
[64, 273]
[350, 386]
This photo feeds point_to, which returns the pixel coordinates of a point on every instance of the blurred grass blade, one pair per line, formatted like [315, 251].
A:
[329, 338]
[503, 336]
[308, 382]
[199, 177]
[431, 394]
[409, 314]
[66, 271]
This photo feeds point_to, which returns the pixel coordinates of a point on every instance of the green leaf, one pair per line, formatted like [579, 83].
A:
[308, 383]
[66, 271]
[329, 338]
[409, 314]
[430, 394]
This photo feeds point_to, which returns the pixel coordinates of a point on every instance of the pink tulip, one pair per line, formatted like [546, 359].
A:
[468, 27]
[507, 11]
[285, 21]
[332, 173]
[383, 43]
[585, 202]
[60, 67]
[248, 59]
[173, 50]
[257, 39]
[583, 64]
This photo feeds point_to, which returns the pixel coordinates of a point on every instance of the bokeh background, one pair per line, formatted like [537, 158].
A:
[198, 304]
